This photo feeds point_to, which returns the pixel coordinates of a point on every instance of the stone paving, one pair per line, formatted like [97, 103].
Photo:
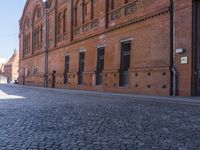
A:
[48, 119]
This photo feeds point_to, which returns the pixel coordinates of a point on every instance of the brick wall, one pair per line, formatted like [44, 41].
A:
[145, 23]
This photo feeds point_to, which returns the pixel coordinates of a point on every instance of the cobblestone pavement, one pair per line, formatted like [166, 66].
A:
[46, 119]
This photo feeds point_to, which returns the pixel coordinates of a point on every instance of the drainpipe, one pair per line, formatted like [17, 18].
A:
[46, 43]
[174, 80]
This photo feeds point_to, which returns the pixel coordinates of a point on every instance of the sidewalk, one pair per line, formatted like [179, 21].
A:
[165, 99]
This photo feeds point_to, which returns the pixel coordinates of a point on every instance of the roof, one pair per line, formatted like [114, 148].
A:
[12, 59]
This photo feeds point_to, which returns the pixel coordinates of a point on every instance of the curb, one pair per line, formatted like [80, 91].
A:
[161, 99]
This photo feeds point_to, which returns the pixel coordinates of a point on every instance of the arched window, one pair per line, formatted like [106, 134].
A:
[59, 23]
[37, 29]
[83, 11]
[26, 36]
[27, 23]
[78, 12]
[88, 10]
[64, 20]
[38, 12]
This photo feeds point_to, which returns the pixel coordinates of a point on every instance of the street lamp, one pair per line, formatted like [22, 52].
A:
[46, 3]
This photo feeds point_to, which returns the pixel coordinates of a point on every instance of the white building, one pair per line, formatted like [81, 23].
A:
[2, 60]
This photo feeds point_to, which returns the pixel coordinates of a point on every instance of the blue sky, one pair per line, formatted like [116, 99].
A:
[10, 13]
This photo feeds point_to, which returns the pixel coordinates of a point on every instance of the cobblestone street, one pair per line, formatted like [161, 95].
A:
[37, 118]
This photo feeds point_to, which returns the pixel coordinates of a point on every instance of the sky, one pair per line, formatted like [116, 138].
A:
[10, 13]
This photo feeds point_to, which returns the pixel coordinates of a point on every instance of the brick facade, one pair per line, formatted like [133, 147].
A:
[11, 68]
[85, 26]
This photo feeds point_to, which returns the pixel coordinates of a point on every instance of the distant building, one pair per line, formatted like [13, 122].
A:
[11, 68]
[2, 63]
[2, 60]
[1, 69]
[3, 79]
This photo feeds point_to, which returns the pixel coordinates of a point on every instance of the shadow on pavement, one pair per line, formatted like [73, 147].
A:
[8, 93]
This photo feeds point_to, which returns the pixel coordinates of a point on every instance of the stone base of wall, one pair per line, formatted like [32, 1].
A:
[154, 81]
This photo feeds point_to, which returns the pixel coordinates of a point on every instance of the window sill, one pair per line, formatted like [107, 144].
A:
[124, 87]
[98, 86]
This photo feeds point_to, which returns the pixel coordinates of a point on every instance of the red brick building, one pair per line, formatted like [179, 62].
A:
[134, 46]
[11, 68]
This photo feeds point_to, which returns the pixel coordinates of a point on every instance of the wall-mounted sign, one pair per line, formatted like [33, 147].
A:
[184, 60]
[180, 50]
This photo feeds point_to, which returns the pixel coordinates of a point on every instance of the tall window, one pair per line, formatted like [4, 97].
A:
[125, 63]
[34, 39]
[67, 58]
[87, 8]
[26, 37]
[64, 20]
[59, 23]
[112, 4]
[75, 16]
[78, 12]
[38, 12]
[83, 12]
[29, 42]
[61, 26]
[100, 66]
[38, 36]
[92, 9]
[81, 67]
[27, 23]
[26, 45]
[41, 34]
[37, 29]
[127, 1]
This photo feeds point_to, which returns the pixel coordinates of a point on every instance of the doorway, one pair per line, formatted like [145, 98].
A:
[81, 67]
[53, 84]
[197, 48]
[66, 69]
[125, 63]
[100, 66]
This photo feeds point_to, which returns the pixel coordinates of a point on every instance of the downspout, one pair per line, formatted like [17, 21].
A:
[174, 80]
[46, 43]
